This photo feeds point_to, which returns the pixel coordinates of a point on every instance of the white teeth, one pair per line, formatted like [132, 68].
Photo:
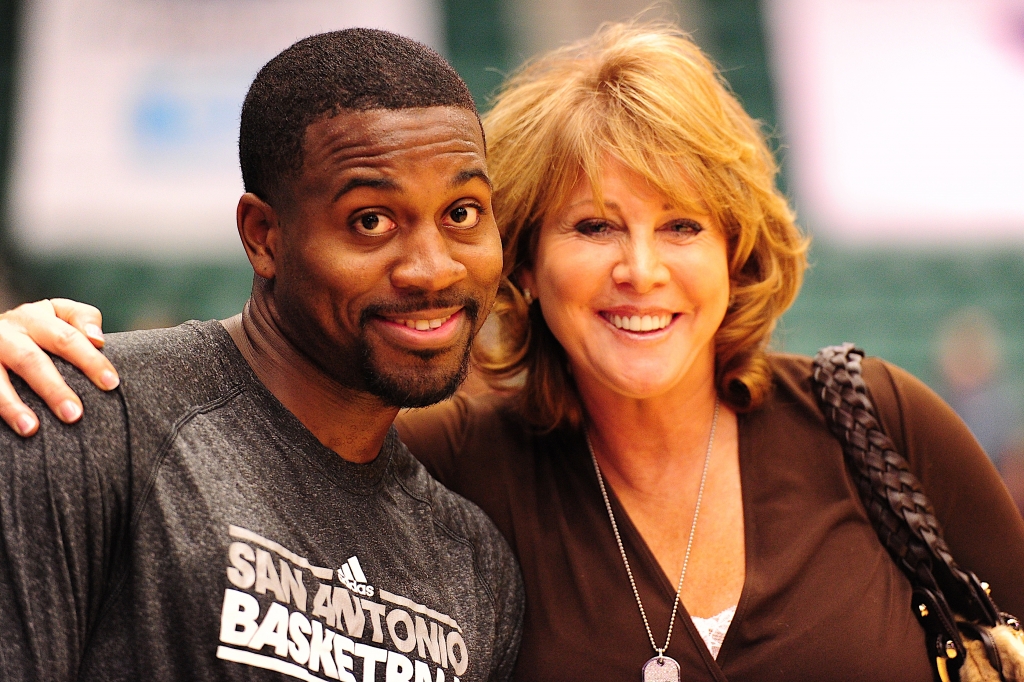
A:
[638, 323]
[424, 325]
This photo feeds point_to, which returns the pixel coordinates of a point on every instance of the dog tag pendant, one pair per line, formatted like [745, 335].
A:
[661, 669]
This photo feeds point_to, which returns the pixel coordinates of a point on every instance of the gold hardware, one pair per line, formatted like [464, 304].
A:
[940, 665]
[923, 609]
[988, 589]
[950, 649]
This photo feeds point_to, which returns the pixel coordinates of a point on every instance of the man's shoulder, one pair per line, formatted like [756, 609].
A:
[176, 368]
[169, 353]
[166, 375]
[449, 509]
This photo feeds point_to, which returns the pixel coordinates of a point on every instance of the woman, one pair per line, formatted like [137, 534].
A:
[664, 482]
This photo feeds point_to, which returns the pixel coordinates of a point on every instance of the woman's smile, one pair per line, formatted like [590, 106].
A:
[643, 323]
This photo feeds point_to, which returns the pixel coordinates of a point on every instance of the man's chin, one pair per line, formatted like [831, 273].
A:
[417, 381]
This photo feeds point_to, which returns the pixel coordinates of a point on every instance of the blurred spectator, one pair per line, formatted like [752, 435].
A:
[970, 360]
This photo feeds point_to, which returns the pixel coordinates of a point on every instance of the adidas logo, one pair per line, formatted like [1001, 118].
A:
[351, 575]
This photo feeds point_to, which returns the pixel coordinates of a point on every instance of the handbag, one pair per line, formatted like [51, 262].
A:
[969, 639]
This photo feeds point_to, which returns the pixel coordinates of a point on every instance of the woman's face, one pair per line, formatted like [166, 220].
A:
[634, 290]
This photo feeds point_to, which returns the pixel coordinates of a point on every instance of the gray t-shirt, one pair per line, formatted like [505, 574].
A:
[190, 528]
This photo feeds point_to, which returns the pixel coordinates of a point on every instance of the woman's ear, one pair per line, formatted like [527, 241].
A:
[260, 229]
[524, 280]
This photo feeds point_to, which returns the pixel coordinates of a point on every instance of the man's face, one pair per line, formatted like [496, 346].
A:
[389, 257]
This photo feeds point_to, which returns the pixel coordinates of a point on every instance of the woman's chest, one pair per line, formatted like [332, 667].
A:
[820, 600]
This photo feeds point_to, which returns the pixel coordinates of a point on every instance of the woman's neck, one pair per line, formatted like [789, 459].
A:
[641, 441]
[652, 454]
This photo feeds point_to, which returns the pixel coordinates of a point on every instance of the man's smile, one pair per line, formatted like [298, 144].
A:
[424, 329]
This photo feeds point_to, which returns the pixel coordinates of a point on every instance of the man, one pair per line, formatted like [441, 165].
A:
[241, 508]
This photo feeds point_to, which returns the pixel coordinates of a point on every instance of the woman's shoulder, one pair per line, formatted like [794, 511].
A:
[891, 387]
[910, 412]
[449, 435]
[981, 523]
[457, 418]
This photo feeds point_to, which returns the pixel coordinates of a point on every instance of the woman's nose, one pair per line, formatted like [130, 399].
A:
[641, 265]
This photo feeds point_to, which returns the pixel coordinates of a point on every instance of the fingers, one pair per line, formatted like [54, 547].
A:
[29, 330]
[82, 316]
[21, 355]
[40, 323]
[16, 413]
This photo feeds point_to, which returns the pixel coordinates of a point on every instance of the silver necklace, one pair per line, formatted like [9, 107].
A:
[660, 668]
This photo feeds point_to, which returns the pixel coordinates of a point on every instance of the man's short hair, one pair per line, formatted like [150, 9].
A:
[321, 76]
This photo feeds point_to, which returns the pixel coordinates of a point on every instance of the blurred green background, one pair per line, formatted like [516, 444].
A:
[890, 301]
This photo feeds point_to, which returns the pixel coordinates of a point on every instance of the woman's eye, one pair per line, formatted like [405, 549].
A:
[463, 216]
[593, 227]
[374, 223]
[686, 227]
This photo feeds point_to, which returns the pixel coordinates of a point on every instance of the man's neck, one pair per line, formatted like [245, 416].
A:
[351, 423]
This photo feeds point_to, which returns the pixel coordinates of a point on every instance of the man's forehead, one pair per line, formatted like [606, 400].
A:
[394, 132]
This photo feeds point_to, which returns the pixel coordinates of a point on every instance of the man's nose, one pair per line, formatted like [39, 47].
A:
[426, 262]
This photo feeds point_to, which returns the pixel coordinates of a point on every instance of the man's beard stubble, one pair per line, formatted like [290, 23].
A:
[420, 387]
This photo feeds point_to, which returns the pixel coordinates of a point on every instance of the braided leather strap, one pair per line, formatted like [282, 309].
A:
[892, 495]
[895, 502]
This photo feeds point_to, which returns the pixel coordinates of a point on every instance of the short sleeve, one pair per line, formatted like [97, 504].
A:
[509, 632]
[64, 495]
[981, 523]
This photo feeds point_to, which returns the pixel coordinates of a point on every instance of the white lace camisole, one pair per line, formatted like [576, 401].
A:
[712, 630]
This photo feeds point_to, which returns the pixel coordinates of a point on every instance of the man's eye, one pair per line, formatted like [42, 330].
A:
[374, 223]
[463, 216]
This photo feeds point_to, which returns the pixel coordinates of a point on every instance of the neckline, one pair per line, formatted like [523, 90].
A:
[717, 616]
[635, 542]
[292, 436]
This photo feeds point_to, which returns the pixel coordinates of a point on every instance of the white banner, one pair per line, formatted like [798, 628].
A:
[904, 118]
[127, 115]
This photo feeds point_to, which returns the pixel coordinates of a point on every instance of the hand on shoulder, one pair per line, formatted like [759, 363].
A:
[68, 329]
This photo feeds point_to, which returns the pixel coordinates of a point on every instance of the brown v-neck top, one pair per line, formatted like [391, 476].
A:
[822, 599]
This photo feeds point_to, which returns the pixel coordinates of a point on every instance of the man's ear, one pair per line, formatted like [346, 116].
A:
[260, 229]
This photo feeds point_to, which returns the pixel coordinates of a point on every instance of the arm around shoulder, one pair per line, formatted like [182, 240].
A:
[435, 435]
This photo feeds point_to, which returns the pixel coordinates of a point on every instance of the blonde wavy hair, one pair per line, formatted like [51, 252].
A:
[647, 96]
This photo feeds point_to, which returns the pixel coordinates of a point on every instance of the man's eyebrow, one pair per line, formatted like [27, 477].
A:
[372, 183]
[464, 176]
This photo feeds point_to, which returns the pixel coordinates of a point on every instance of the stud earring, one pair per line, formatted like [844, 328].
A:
[527, 296]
